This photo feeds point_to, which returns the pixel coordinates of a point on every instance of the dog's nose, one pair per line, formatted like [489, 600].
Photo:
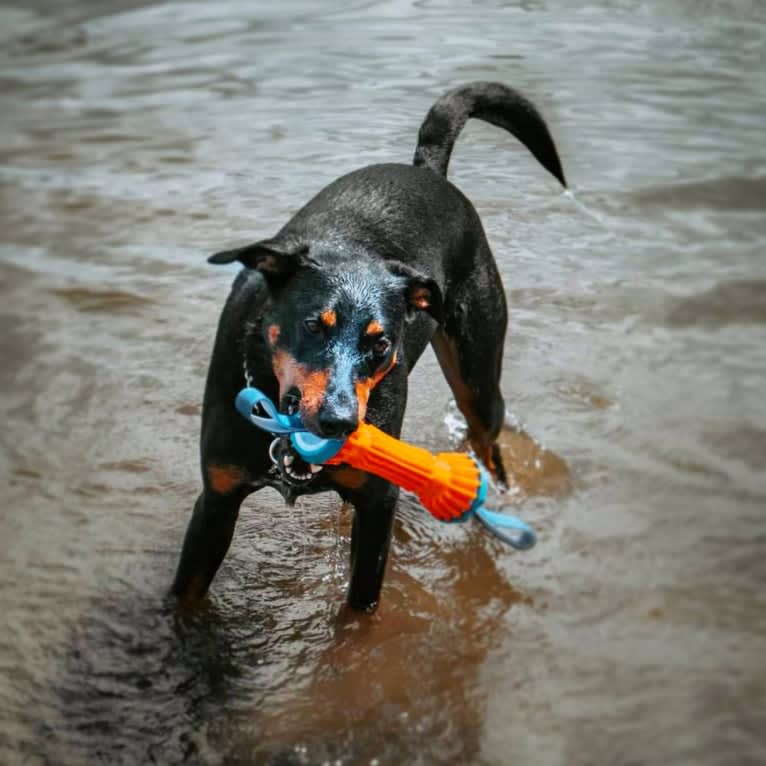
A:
[335, 425]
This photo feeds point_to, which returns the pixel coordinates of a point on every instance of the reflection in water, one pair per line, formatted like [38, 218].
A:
[138, 137]
[138, 682]
[385, 683]
[107, 301]
[533, 470]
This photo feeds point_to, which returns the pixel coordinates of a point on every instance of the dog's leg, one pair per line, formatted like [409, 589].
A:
[469, 347]
[370, 541]
[207, 539]
[228, 444]
[373, 498]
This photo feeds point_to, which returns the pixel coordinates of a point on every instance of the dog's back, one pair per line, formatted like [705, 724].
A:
[399, 211]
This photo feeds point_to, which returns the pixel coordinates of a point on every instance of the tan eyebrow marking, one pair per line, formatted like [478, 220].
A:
[274, 331]
[311, 383]
[329, 318]
[374, 328]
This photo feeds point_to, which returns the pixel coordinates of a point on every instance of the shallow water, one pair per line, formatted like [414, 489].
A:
[138, 137]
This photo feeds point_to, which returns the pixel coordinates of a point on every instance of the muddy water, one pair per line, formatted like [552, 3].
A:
[137, 138]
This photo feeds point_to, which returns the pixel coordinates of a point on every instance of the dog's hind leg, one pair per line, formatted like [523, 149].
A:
[469, 347]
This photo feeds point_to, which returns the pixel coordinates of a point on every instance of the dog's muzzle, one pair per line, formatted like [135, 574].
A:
[292, 467]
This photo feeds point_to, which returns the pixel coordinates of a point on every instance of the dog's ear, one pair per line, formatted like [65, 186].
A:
[277, 258]
[421, 293]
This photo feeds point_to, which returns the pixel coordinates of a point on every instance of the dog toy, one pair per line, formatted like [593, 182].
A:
[452, 486]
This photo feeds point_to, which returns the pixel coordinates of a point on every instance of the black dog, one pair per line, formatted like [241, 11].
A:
[330, 316]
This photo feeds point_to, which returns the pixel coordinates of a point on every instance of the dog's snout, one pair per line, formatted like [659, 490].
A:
[336, 425]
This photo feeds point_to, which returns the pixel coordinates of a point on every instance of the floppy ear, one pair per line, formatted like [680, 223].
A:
[277, 258]
[421, 293]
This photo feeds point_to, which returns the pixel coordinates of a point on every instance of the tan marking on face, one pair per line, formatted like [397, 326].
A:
[329, 318]
[273, 334]
[224, 479]
[364, 387]
[313, 390]
[374, 328]
[312, 384]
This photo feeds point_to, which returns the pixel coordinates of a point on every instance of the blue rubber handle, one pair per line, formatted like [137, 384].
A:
[276, 422]
[497, 523]
[315, 449]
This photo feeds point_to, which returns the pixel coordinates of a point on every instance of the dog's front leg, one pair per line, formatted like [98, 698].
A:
[370, 540]
[207, 539]
[374, 499]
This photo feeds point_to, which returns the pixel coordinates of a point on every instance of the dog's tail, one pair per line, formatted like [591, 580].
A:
[492, 102]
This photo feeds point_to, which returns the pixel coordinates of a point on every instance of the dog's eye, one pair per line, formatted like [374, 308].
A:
[381, 346]
[313, 326]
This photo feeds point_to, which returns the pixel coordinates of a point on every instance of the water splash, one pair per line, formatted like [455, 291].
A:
[457, 428]
[337, 573]
[582, 207]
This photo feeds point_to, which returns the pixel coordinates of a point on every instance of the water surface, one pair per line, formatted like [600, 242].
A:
[138, 137]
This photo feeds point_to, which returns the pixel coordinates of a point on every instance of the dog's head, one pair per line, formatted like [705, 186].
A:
[334, 325]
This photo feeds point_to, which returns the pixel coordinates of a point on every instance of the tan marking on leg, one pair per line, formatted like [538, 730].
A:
[350, 478]
[479, 437]
[225, 478]
[193, 593]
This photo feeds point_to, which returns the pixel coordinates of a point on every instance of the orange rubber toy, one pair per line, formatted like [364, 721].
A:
[447, 484]
[451, 485]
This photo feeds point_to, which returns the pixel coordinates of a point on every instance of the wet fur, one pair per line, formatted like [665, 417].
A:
[332, 314]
